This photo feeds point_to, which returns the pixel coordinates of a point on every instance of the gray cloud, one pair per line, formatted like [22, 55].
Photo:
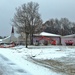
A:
[47, 8]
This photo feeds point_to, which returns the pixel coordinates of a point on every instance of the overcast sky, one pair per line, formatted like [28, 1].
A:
[47, 8]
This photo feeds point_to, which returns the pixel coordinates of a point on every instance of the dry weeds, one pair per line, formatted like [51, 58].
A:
[64, 65]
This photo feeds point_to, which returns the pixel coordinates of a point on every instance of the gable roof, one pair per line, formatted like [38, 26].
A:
[72, 35]
[49, 34]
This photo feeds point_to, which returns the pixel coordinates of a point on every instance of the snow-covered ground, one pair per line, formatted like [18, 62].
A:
[19, 55]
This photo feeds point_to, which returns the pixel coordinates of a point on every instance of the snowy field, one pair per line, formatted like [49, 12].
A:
[21, 56]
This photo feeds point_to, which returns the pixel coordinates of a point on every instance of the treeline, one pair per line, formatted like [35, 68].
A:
[62, 26]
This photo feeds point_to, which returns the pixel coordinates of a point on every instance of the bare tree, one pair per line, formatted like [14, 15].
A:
[27, 19]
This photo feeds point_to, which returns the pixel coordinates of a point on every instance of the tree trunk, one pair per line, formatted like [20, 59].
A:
[32, 39]
[26, 40]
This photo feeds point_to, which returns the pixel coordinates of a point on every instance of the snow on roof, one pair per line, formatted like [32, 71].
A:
[72, 35]
[7, 37]
[0, 40]
[48, 34]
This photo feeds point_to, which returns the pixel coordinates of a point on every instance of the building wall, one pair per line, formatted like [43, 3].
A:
[59, 40]
[64, 39]
[42, 40]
